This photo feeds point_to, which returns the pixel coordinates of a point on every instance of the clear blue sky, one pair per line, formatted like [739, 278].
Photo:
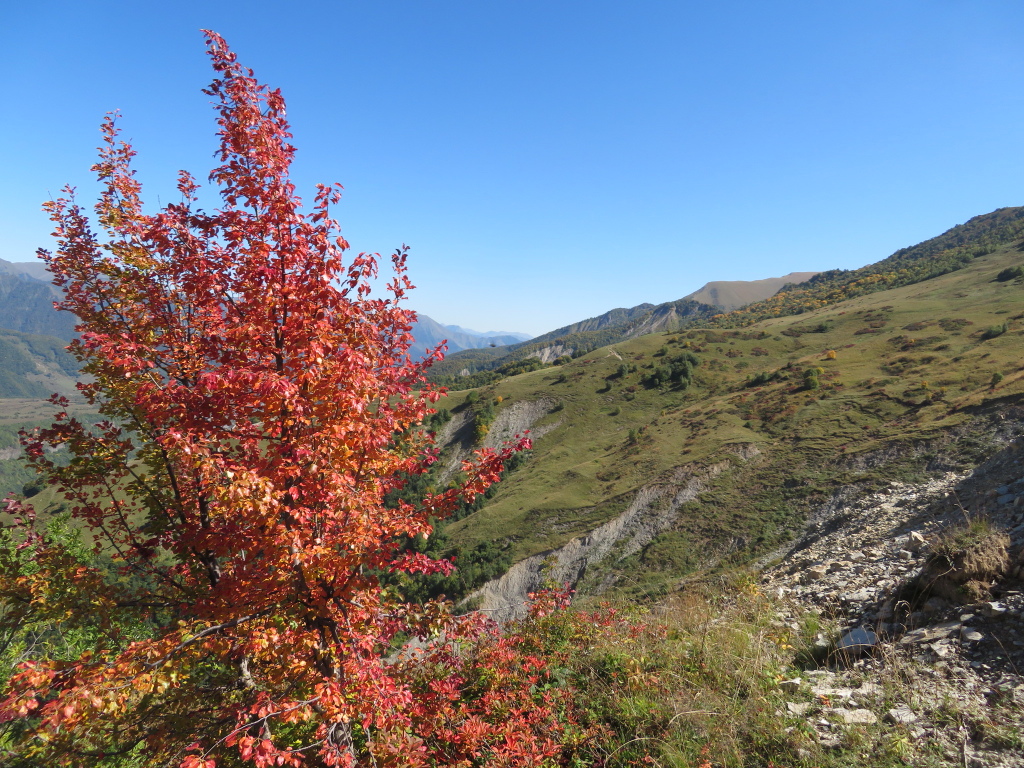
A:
[546, 160]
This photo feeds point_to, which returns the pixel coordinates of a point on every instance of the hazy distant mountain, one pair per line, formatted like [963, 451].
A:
[26, 301]
[733, 294]
[429, 333]
[491, 334]
[36, 269]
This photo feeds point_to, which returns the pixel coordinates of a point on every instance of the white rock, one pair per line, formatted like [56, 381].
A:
[942, 650]
[827, 692]
[815, 573]
[993, 609]
[855, 716]
[869, 690]
[901, 714]
[916, 542]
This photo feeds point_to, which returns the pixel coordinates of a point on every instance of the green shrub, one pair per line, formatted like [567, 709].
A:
[995, 330]
[1010, 273]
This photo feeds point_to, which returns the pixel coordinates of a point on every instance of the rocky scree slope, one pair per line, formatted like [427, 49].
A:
[944, 669]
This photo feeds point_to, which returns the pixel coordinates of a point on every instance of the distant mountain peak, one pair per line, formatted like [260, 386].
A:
[728, 295]
[33, 269]
[429, 333]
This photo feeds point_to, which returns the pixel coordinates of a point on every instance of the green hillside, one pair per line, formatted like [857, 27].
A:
[26, 305]
[26, 413]
[570, 341]
[950, 251]
[34, 366]
[778, 416]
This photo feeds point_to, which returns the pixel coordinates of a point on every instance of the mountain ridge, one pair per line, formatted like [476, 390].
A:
[952, 250]
[607, 328]
[728, 295]
[428, 334]
[26, 302]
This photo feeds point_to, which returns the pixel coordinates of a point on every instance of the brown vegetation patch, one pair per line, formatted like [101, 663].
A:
[966, 562]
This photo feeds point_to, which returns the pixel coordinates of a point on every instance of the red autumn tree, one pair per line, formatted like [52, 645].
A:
[260, 405]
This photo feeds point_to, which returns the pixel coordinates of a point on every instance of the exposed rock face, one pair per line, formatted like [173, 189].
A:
[513, 419]
[870, 564]
[518, 419]
[653, 509]
[552, 353]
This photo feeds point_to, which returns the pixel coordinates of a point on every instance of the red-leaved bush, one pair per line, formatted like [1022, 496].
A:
[259, 403]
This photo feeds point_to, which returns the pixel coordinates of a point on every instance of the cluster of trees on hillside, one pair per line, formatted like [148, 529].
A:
[676, 371]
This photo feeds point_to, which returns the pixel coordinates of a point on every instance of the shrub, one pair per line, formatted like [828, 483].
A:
[995, 330]
[259, 407]
[760, 379]
[1010, 273]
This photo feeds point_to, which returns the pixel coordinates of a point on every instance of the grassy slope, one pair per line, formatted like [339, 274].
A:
[885, 385]
[32, 367]
[24, 413]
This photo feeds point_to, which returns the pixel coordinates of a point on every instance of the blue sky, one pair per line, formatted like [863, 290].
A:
[548, 161]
